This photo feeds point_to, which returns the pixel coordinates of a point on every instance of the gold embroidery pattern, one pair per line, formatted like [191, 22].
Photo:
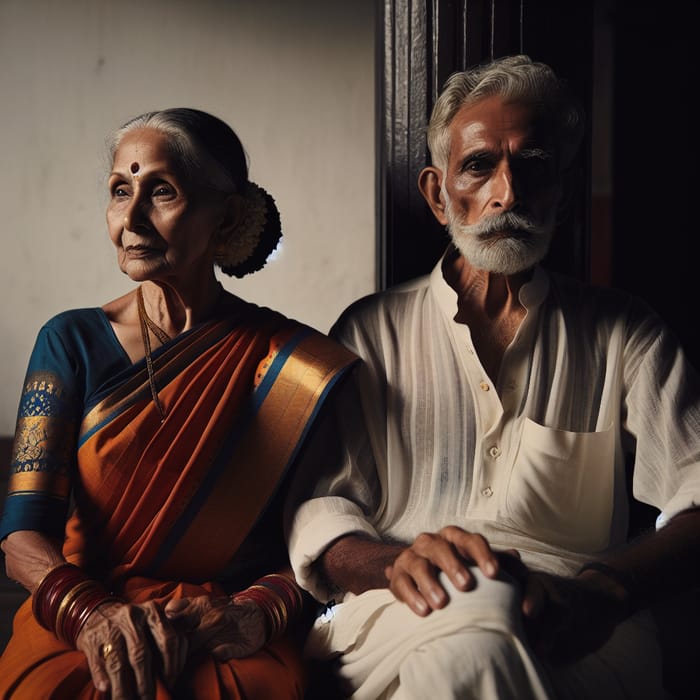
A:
[40, 445]
[43, 439]
[43, 395]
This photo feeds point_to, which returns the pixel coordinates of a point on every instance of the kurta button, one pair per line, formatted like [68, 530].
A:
[495, 452]
[488, 492]
[484, 386]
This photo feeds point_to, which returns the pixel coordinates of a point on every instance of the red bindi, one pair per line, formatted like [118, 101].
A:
[134, 167]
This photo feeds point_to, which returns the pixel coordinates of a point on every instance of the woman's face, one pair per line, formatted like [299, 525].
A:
[161, 225]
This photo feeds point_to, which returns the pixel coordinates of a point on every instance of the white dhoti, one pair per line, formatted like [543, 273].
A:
[474, 648]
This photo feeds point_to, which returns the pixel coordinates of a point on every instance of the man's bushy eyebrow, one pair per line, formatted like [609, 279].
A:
[535, 152]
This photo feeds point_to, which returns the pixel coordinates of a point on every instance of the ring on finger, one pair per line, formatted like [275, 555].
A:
[107, 649]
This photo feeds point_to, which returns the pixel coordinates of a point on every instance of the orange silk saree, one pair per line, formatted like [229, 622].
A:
[161, 507]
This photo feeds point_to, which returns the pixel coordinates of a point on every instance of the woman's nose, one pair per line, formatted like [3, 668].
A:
[135, 215]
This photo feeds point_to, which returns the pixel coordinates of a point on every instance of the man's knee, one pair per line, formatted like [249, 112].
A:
[474, 663]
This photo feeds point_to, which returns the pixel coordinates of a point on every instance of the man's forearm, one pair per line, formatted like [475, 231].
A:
[356, 564]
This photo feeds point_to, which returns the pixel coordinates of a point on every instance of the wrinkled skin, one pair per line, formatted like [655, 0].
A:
[143, 642]
[226, 629]
[149, 640]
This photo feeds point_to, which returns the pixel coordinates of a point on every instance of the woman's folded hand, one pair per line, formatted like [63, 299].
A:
[226, 629]
[128, 646]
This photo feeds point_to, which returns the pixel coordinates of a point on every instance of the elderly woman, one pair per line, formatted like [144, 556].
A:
[155, 439]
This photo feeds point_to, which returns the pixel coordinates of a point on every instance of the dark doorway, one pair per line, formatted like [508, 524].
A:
[655, 247]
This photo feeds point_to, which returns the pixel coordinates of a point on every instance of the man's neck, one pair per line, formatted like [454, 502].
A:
[489, 304]
[480, 293]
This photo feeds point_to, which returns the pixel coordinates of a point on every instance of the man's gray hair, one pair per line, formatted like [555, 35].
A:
[517, 79]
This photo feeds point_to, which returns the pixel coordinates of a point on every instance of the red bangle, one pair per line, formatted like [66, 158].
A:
[64, 599]
[278, 597]
[50, 591]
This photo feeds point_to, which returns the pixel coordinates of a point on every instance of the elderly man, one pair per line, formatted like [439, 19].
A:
[473, 528]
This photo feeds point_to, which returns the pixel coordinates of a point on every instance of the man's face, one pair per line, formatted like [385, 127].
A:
[501, 188]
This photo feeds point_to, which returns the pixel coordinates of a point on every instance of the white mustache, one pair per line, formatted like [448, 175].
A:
[500, 222]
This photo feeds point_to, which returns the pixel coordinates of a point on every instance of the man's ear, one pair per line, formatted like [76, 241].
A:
[430, 186]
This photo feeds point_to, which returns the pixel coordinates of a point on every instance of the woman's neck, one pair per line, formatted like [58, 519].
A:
[177, 310]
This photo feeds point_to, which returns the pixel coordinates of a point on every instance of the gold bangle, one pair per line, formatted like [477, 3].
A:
[68, 603]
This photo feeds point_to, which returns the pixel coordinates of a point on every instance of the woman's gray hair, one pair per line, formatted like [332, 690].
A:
[514, 78]
[207, 150]
[208, 153]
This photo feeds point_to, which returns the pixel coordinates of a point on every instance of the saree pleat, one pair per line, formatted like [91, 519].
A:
[163, 506]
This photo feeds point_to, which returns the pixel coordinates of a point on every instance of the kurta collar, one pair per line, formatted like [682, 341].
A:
[531, 295]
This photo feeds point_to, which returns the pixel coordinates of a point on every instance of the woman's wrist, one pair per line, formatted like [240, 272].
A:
[279, 598]
[65, 598]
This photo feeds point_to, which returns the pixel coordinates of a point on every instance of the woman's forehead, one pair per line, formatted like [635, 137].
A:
[141, 148]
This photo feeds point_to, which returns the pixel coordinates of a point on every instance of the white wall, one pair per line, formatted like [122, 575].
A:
[294, 79]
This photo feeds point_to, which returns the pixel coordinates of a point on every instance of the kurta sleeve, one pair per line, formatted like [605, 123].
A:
[344, 495]
[336, 490]
[663, 415]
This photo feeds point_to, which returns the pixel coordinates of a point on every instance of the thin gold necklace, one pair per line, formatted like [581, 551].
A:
[147, 323]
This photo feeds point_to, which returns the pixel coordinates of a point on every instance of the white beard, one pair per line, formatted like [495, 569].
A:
[484, 246]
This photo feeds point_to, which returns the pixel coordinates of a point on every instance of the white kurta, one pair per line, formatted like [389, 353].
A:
[532, 459]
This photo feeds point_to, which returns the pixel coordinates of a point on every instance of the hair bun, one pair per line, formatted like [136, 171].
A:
[257, 234]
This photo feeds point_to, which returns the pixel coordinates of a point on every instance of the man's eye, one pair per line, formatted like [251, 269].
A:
[476, 165]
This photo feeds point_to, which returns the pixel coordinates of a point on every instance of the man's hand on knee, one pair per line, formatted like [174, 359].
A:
[413, 577]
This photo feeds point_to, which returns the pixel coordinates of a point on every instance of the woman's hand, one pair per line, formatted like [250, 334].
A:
[127, 646]
[226, 629]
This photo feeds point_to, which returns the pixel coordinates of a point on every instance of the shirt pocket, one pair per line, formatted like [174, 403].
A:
[561, 487]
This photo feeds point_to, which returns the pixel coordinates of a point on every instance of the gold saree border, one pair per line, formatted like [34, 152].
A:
[137, 387]
[267, 447]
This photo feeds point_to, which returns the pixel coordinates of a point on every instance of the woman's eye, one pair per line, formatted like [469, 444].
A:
[163, 191]
[119, 192]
